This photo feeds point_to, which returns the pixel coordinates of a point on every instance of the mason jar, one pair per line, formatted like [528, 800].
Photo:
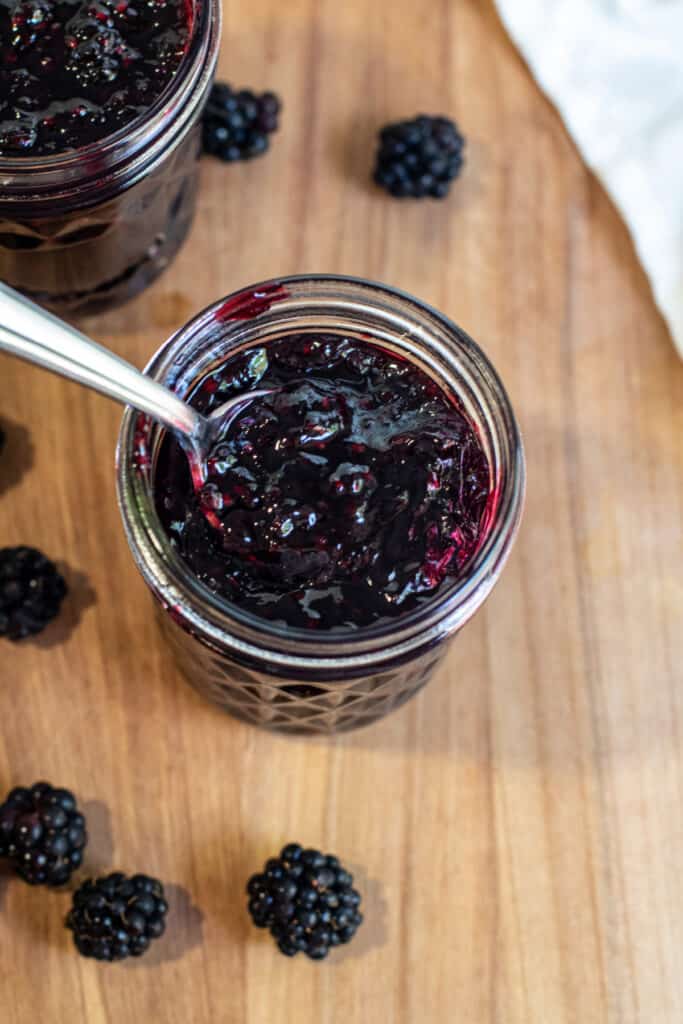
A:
[87, 229]
[268, 673]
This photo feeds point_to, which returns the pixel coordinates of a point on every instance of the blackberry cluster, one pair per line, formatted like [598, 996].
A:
[306, 900]
[43, 833]
[419, 158]
[116, 917]
[236, 125]
[31, 592]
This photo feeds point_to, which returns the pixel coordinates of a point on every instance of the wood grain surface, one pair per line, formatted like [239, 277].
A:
[517, 830]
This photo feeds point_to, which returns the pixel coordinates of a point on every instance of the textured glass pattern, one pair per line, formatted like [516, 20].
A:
[295, 705]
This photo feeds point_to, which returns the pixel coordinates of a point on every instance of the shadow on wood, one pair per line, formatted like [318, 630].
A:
[79, 598]
[183, 930]
[100, 849]
[17, 453]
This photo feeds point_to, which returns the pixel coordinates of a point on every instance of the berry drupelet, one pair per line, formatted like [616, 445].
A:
[31, 592]
[306, 900]
[116, 917]
[43, 832]
[419, 158]
[236, 125]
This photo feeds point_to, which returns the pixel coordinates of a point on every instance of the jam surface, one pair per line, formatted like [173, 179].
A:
[75, 71]
[349, 495]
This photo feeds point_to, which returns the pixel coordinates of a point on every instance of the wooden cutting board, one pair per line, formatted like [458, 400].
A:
[517, 830]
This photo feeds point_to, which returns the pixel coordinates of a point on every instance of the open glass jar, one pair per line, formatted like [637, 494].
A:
[282, 677]
[87, 229]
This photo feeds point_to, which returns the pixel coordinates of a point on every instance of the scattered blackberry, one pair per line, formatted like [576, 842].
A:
[306, 900]
[115, 917]
[419, 158]
[31, 592]
[43, 833]
[236, 125]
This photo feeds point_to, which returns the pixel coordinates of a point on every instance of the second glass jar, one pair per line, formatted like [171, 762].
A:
[87, 229]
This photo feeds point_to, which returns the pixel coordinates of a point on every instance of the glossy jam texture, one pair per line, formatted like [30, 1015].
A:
[75, 71]
[350, 495]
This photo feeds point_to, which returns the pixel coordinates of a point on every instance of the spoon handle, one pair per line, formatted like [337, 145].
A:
[37, 336]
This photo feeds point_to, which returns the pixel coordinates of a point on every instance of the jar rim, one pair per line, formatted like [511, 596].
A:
[223, 625]
[135, 146]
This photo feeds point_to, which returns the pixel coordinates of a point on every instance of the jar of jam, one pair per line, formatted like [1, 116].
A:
[352, 518]
[100, 102]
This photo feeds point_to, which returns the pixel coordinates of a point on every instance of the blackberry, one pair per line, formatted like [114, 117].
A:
[419, 158]
[43, 832]
[31, 592]
[236, 125]
[116, 917]
[306, 900]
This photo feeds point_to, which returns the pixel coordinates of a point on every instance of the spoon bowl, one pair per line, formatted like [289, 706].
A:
[211, 429]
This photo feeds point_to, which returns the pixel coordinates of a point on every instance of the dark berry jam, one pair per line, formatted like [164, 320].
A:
[349, 495]
[74, 71]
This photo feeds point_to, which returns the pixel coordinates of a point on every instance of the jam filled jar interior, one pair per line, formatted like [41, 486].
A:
[74, 71]
[350, 495]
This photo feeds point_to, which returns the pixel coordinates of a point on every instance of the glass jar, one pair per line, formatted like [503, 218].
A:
[278, 676]
[87, 229]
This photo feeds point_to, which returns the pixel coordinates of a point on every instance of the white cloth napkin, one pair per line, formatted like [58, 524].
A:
[614, 69]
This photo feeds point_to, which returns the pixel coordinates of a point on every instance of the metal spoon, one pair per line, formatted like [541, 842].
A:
[37, 336]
